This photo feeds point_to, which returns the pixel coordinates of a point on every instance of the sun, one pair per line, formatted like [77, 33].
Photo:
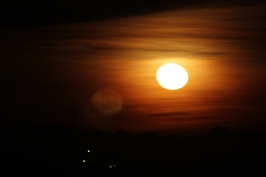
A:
[172, 76]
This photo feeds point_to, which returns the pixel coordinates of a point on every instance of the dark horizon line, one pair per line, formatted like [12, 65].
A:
[214, 131]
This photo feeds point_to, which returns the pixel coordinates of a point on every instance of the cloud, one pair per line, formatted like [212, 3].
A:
[177, 113]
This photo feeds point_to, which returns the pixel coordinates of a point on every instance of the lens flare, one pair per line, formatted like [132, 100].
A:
[107, 101]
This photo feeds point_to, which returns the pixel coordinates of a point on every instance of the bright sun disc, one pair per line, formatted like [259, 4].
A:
[172, 76]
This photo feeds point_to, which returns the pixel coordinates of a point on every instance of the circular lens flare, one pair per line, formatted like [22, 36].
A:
[106, 101]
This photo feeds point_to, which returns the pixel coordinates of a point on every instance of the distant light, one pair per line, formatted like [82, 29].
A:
[114, 165]
[89, 151]
[83, 160]
[110, 166]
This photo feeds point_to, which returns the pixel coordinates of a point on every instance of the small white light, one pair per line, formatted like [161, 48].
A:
[83, 160]
[114, 165]
[110, 166]
[89, 151]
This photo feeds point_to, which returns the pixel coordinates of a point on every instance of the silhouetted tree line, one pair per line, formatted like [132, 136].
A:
[54, 150]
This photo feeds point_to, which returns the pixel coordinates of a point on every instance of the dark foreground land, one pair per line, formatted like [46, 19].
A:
[59, 150]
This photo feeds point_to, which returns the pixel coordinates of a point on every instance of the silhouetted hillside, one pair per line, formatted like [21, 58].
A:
[63, 150]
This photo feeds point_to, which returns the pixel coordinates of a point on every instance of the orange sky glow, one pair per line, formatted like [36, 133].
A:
[124, 55]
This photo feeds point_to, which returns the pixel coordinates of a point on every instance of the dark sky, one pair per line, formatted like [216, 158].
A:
[56, 57]
[39, 13]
